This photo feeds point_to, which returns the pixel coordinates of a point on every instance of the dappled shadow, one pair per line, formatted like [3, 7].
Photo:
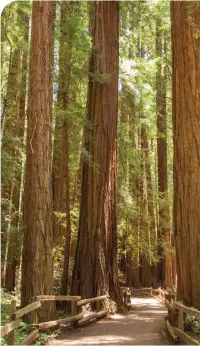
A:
[143, 325]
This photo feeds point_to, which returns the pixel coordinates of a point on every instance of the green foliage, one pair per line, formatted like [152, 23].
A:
[62, 314]
[48, 334]
[25, 329]
[6, 298]
[193, 324]
[137, 109]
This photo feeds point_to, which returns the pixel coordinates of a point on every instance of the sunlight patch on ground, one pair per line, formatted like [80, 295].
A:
[146, 301]
[103, 339]
[118, 317]
[143, 324]
[150, 312]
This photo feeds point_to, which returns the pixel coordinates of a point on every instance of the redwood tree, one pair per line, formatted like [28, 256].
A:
[37, 260]
[186, 111]
[95, 268]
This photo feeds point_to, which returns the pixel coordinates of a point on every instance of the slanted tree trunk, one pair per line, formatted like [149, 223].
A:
[10, 107]
[95, 268]
[164, 235]
[37, 259]
[15, 238]
[186, 110]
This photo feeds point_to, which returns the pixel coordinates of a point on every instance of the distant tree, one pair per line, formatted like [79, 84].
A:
[61, 183]
[15, 234]
[61, 141]
[164, 235]
[13, 115]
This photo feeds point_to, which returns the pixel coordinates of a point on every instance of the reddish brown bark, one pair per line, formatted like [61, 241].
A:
[95, 269]
[37, 259]
[186, 125]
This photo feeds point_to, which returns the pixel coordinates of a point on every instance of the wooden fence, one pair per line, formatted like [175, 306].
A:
[175, 321]
[76, 318]
[177, 311]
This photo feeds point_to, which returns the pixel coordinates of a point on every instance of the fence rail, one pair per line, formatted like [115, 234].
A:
[175, 323]
[176, 320]
[76, 318]
[91, 300]
[55, 298]
[176, 311]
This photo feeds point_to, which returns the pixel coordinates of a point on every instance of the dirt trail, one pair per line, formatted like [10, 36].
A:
[143, 325]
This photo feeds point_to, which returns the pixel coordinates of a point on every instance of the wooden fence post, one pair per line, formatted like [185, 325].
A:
[125, 295]
[98, 303]
[35, 316]
[74, 310]
[180, 318]
[160, 293]
[11, 335]
[170, 296]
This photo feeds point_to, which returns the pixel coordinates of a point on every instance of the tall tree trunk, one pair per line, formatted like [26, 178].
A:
[145, 268]
[61, 180]
[186, 109]
[126, 106]
[136, 222]
[37, 259]
[10, 107]
[15, 239]
[95, 268]
[164, 236]
[61, 144]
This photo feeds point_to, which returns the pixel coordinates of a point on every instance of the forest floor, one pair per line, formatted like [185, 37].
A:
[144, 324]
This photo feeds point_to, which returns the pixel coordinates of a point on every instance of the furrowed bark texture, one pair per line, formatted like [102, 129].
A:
[37, 260]
[95, 269]
[185, 18]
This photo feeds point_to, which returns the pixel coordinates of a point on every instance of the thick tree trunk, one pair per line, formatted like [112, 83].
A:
[186, 110]
[164, 235]
[95, 269]
[37, 259]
